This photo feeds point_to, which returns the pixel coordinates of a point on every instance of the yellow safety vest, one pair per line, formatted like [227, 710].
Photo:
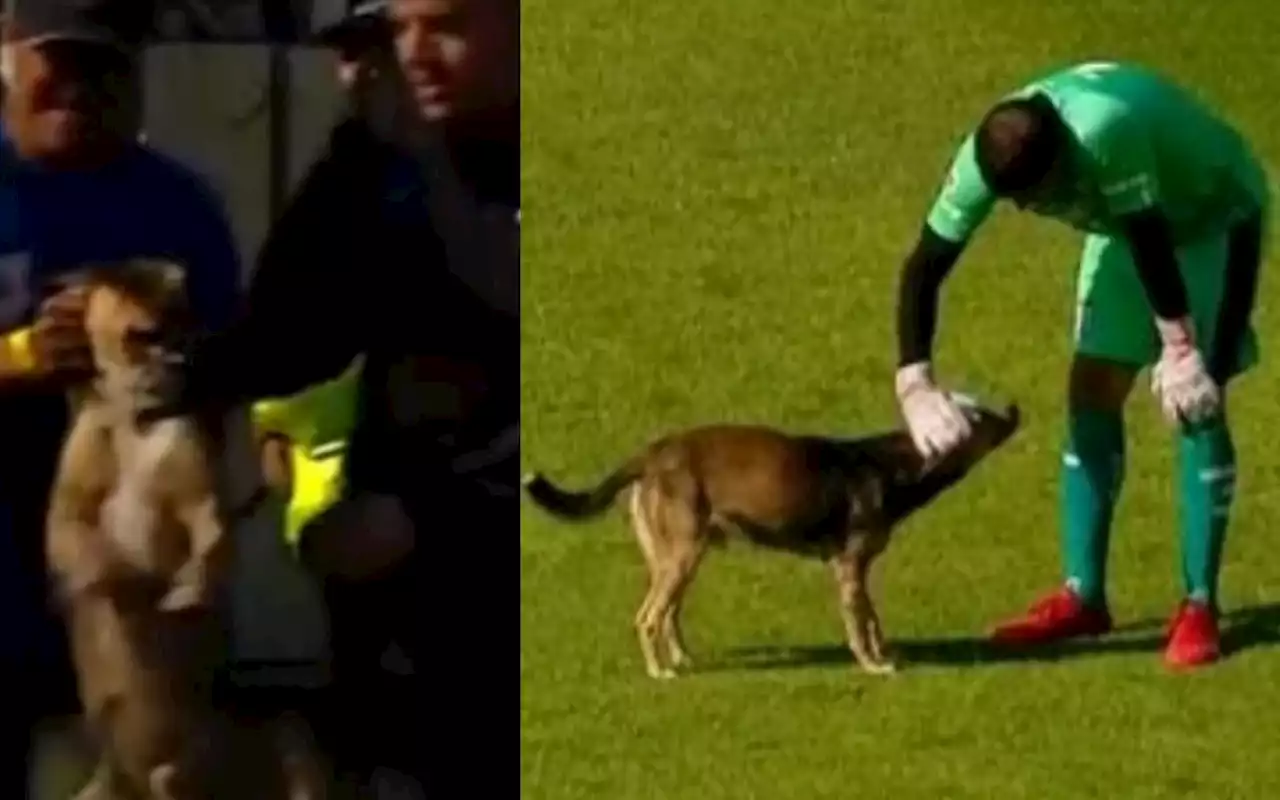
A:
[318, 422]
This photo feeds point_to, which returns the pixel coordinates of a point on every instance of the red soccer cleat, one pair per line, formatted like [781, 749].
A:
[1061, 615]
[1193, 636]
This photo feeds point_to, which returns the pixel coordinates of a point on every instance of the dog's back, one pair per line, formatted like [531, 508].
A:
[781, 489]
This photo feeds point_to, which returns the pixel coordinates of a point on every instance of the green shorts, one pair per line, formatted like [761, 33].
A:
[1114, 319]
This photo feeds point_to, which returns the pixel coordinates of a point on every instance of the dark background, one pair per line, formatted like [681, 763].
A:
[232, 88]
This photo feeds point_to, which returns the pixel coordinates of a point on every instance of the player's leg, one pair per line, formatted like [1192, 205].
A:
[1114, 338]
[1221, 274]
[1093, 463]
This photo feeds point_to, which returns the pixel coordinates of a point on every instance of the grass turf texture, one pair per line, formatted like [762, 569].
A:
[717, 199]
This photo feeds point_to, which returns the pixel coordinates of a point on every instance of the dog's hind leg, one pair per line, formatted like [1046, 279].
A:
[646, 631]
[641, 527]
[643, 530]
[677, 549]
[685, 534]
[673, 637]
[687, 560]
[658, 609]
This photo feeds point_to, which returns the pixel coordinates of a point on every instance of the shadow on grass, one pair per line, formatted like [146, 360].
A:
[1243, 629]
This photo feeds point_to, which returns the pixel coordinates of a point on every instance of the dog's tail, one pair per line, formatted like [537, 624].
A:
[585, 504]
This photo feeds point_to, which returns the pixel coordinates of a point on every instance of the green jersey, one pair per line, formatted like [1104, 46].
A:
[1138, 142]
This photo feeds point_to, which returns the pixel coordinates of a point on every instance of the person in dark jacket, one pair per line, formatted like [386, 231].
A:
[402, 244]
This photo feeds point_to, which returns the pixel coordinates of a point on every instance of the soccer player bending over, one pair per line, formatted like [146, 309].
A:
[1173, 205]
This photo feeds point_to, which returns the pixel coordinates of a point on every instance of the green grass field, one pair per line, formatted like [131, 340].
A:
[718, 196]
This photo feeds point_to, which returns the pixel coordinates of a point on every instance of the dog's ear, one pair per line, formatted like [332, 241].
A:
[896, 454]
[172, 278]
[159, 278]
[85, 275]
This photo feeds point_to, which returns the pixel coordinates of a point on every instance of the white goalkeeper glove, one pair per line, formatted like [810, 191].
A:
[937, 424]
[1180, 380]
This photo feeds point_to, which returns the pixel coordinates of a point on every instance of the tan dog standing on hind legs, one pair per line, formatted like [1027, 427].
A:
[137, 541]
[834, 499]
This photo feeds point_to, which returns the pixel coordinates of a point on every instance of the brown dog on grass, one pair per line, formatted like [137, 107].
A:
[833, 499]
[137, 542]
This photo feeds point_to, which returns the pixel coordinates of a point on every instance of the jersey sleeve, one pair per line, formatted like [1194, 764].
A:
[1120, 149]
[964, 201]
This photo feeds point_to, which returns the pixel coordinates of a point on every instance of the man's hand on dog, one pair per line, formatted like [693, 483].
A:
[59, 343]
[937, 425]
[61, 351]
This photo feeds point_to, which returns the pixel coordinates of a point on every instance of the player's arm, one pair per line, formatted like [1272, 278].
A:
[925, 269]
[1126, 173]
[959, 208]
[1151, 243]
[935, 423]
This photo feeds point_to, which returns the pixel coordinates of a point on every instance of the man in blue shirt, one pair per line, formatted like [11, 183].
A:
[75, 188]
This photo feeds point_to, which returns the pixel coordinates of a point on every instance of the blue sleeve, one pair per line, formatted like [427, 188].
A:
[201, 238]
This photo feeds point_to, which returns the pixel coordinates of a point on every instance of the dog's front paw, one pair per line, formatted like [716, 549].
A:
[661, 673]
[85, 581]
[183, 597]
[882, 666]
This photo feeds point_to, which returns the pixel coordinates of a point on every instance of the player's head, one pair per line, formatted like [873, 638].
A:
[1020, 147]
[70, 88]
[461, 58]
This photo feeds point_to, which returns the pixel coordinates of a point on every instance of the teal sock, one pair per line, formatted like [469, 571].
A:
[1093, 470]
[1207, 478]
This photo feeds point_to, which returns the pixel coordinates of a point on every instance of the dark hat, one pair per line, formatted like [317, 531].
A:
[123, 24]
[346, 20]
